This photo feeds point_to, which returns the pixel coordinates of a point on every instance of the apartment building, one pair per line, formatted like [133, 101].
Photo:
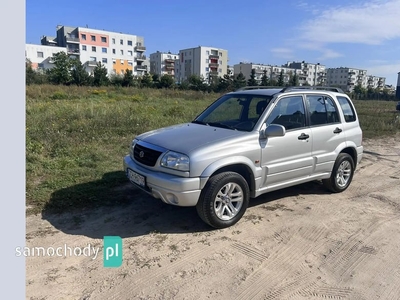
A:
[206, 62]
[311, 74]
[163, 63]
[246, 68]
[272, 72]
[116, 51]
[40, 56]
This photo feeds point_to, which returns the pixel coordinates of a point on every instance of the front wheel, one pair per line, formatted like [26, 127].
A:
[223, 200]
[342, 174]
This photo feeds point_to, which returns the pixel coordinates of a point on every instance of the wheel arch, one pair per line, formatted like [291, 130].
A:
[242, 168]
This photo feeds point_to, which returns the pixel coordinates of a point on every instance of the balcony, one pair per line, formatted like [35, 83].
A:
[169, 66]
[213, 56]
[169, 60]
[72, 39]
[141, 68]
[141, 58]
[140, 48]
[91, 63]
[214, 73]
[213, 65]
[73, 51]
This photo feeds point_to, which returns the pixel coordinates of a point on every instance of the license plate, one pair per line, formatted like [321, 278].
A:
[136, 178]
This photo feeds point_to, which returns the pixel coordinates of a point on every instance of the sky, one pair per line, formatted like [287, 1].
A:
[339, 33]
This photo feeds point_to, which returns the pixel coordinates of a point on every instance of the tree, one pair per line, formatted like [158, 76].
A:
[239, 81]
[166, 81]
[294, 80]
[281, 80]
[30, 74]
[156, 80]
[61, 72]
[116, 79]
[100, 77]
[197, 83]
[264, 79]
[79, 75]
[127, 79]
[225, 83]
[252, 81]
[146, 80]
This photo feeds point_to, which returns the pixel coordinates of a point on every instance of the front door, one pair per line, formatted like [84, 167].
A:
[287, 159]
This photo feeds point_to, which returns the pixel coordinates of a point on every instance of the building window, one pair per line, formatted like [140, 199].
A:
[220, 62]
[220, 54]
[121, 42]
[93, 38]
[207, 61]
[220, 70]
[41, 66]
[122, 52]
[113, 51]
[114, 61]
[93, 48]
[129, 43]
[39, 54]
[130, 53]
[84, 47]
[113, 41]
[130, 63]
[104, 50]
[207, 52]
[92, 58]
[207, 69]
[122, 61]
[103, 39]
[104, 60]
[83, 37]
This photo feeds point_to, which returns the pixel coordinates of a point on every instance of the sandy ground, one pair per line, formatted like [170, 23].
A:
[298, 243]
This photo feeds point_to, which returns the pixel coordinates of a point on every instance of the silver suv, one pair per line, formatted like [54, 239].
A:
[247, 143]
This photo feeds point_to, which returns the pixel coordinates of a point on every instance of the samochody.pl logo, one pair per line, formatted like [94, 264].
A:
[112, 251]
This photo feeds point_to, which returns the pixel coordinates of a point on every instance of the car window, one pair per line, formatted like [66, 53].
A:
[347, 108]
[322, 110]
[240, 112]
[288, 112]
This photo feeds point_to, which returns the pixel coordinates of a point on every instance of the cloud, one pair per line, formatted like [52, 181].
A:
[370, 23]
[328, 54]
[283, 52]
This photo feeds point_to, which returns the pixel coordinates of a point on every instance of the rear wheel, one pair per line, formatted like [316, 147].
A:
[342, 174]
[223, 200]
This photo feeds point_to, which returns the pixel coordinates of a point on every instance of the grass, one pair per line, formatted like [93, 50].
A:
[76, 138]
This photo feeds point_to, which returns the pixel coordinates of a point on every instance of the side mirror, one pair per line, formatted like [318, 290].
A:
[273, 130]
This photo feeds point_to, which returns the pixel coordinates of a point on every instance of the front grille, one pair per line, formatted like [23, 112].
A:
[146, 155]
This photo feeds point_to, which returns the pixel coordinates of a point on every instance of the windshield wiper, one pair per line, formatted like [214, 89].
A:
[222, 125]
[200, 122]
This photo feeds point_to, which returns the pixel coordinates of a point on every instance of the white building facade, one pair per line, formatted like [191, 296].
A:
[163, 63]
[206, 62]
[116, 51]
[40, 56]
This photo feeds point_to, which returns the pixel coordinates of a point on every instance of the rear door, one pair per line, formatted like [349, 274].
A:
[327, 131]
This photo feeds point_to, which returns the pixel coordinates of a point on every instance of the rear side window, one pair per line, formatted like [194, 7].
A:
[347, 108]
[322, 110]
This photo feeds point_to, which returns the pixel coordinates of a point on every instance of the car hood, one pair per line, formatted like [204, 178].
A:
[187, 137]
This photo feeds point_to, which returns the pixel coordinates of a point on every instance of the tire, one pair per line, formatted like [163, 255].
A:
[342, 174]
[223, 200]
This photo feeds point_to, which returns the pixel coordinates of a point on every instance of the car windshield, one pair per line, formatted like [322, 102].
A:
[236, 111]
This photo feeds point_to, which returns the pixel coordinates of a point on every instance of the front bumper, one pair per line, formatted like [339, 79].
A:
[180, 191]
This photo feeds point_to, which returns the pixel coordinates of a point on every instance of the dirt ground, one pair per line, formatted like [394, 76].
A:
[297, 243]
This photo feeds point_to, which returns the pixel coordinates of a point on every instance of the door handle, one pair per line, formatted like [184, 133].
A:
[337, 130]
[303, 136]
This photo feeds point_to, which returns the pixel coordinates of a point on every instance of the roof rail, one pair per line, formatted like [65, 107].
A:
[314, 87]
[256, 87]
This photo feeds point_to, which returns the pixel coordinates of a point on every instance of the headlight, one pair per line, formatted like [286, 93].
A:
[131, 148]
[175, 160]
